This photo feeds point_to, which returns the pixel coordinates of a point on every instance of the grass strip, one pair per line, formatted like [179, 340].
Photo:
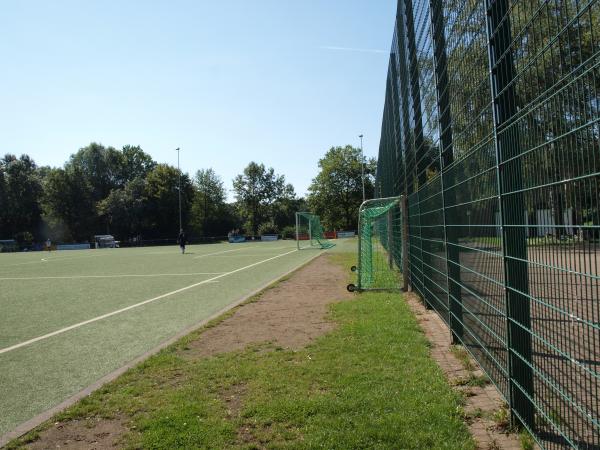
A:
[369, 384]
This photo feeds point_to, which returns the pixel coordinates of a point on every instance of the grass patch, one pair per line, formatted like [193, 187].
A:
[502, 418]
[368, 384]
[463, 356]
[526, 440]
[473, 381]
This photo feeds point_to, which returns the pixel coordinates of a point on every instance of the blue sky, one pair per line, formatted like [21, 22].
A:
[274, 81]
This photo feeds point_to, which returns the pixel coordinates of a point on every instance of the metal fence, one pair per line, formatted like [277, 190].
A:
[491, 128]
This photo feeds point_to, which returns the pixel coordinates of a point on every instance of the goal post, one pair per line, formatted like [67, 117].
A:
[309, 232]
[380, 250]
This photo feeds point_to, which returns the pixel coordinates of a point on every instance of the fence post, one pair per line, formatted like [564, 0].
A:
[390, 238]
[512, 205]
[413, 81]
[446, 158]
[405, 266]
[410, 158]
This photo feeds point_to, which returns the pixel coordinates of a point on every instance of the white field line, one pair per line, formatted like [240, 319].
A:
[112, 276]
[278, 248]
[218, 253]
[67, 257]
[56, 258]
[130, 307]
[240, 256]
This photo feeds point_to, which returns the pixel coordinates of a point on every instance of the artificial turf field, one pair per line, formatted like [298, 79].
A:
[68, 318]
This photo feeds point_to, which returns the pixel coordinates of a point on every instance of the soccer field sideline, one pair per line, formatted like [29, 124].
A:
[36, 376]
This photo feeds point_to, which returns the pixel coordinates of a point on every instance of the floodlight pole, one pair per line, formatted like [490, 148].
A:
[178, 170]
[362, 167]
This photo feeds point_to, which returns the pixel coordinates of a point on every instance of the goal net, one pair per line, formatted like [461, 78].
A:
[379, 245]
[309, 232]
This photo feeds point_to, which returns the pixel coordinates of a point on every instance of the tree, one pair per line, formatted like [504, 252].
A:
[256, 190]
[101, 167]
[20, 194]
[135, 163]
[335, 193]
[3, 203]
[84, 198]
[69, 206]
[209, 215]
[125, 209]
[285, 209]
[162, 187]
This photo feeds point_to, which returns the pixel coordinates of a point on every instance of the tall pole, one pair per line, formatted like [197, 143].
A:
[362, 167]
[178, 170]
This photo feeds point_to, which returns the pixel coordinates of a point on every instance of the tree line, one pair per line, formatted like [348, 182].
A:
[124, 192]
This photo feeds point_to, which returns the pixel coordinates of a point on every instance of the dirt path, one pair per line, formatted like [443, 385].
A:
[290, 315]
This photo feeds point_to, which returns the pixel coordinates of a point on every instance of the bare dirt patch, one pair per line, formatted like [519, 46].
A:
[96, 434]
[289, 315]
[232, 397]
[482, 402]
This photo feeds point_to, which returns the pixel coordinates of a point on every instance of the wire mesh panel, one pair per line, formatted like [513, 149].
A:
[555, 140]
[491, 128]
[472, 192]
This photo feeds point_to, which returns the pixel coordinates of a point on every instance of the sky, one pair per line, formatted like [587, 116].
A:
[278, 82]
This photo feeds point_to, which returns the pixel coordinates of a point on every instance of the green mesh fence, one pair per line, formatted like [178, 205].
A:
[491, 128]
[379, 246]
[309, 232]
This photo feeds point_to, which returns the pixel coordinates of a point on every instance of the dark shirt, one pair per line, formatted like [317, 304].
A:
[182, 239]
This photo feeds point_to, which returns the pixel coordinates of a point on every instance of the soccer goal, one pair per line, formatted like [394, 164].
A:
[379, 245]
[309, 232]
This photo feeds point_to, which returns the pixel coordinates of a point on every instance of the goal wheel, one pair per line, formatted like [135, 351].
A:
[353, 269]
[351, 288]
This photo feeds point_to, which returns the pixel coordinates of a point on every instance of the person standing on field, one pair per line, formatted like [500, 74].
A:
[182, 240]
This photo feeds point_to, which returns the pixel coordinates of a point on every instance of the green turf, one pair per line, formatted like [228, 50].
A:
[41, 375]
[368, 384]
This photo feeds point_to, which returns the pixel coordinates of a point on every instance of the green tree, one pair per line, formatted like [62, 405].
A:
[135, 163]
[3, 203]
[125, 209]
[208, 215]
[162, 187]
[335, 194]
[101, 167]
[285, 209]
[87, 197]
[257, 190]
[69, 205]
[20, 195]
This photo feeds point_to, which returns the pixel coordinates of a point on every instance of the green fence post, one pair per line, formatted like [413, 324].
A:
[417, 133]
[409, 158]
[405, 265]
[447, 178]
[512, 207]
